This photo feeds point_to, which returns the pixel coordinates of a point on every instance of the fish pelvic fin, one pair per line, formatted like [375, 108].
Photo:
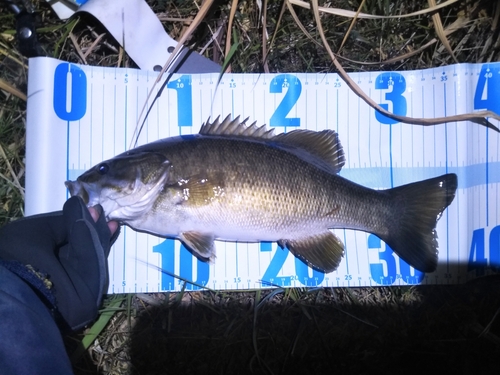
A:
[322, 251]
[412, 227]
[201, 244]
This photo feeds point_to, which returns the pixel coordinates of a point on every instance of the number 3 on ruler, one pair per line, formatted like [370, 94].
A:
[397, 82]
[293, 89]
[387, 256]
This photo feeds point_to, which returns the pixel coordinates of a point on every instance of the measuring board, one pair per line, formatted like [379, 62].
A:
[81, 115]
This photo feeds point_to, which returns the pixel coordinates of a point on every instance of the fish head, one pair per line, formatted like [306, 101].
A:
[126, 186]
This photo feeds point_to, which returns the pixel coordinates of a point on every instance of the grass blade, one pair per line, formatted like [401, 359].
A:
[98, 327]
[353, 22]
[229, 48]
[438, 26]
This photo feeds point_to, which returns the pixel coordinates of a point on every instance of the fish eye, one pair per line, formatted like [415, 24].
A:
[103, 168]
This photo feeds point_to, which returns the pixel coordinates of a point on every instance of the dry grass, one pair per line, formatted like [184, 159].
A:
[352, 331]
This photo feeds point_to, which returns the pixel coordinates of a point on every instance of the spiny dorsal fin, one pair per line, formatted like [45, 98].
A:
[324, 145]
[236, 128]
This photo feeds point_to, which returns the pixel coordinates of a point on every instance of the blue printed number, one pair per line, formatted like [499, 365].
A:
[70, 92]
[167, 251]
[387, 256]
[478, 260]
[184, 100]
[495, 248]
[488, 89]
[397, 82]
[304, 274]
[390, 276]
[293, 88]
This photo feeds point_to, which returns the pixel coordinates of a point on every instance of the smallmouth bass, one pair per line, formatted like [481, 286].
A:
[236, 182]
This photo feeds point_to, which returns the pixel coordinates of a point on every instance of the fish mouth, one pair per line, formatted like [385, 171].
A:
[76, 188]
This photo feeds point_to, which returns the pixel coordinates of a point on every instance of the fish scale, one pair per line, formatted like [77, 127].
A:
[275, 190]
[243, 183]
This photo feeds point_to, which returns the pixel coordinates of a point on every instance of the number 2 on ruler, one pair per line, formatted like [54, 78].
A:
[293, 88]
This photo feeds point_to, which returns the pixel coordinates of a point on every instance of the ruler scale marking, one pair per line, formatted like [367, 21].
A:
[378, 155]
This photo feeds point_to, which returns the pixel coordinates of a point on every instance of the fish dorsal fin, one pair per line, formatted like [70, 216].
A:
[236, 128]
[324, 145]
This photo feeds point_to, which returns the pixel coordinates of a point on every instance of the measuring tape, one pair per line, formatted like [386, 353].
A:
[81, 115]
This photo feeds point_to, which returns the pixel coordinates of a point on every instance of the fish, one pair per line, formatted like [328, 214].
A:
[239, 182]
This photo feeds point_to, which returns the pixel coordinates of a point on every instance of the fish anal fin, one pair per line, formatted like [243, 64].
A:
[322, 251]
[324, 145]
[201, 244]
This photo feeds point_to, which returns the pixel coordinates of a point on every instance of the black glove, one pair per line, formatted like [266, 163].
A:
[67, 249]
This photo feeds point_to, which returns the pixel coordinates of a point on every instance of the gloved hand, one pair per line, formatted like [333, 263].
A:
[69, 249]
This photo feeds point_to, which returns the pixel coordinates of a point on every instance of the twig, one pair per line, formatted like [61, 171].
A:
[351, 14]
[17, 184]
[438, 26]
[477, 117]
[12, 90]
[77, 47]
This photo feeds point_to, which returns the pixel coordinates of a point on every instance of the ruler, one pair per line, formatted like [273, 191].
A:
[80, 115]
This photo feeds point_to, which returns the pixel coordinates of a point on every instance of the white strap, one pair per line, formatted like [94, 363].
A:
[135, 26]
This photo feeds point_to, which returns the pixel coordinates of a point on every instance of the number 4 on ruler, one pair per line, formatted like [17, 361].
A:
[488, 90]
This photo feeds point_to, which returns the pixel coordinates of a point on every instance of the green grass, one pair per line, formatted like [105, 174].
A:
[12, 146]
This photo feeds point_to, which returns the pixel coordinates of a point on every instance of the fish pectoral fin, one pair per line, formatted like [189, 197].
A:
[202, 244]
[322, 251]
[203, 189]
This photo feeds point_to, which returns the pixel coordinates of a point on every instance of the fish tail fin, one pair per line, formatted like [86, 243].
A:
[412, 227]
